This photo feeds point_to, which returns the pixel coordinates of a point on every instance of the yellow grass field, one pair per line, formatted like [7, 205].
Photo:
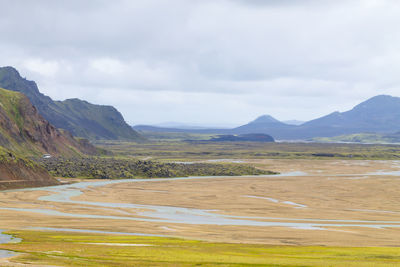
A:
[323, 213]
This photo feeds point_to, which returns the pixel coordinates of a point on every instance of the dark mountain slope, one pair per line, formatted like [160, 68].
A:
[380, 113]
[78, 117]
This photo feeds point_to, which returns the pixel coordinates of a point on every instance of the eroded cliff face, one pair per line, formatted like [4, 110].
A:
[16, 172]
[24, 130]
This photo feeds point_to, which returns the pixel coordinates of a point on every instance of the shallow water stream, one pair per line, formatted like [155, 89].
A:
[181, 215]
[4, 239]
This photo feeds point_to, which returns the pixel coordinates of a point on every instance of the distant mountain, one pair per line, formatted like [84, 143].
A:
[294, 122]
[79, 117]
[243, 138]
[150, 128]
[24, 131]
[265, 119]
[264, 124]
[379, 114]
[180, 125]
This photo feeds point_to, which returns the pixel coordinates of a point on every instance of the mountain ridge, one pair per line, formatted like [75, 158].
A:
[79, 117]
[379, 114]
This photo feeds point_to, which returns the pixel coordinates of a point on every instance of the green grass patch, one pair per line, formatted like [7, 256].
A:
[77, 249]
[366, 138]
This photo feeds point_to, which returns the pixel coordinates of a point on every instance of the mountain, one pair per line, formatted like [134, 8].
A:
[264, 124]
[379, 114]
[243, 138]
[150, 128]
[180, 125]
[79, 117]
[265, 119]
[24, 131]
[294, 122]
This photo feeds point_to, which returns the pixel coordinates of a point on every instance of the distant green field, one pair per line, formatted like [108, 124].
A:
[161, 136]
[366, 138]
[203, 150]
[77, 249]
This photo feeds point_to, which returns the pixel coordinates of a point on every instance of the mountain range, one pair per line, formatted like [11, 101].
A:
[79, 117]
[379, 114]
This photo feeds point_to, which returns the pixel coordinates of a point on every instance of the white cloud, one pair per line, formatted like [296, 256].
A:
[45, 68]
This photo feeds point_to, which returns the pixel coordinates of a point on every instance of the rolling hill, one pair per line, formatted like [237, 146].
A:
[79, 117]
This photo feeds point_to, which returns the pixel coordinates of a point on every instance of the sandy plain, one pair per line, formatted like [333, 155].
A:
[355, 192]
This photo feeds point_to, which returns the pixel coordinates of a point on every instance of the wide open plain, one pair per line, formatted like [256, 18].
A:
[314, 202]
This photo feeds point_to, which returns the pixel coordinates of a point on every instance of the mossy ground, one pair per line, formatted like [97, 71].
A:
[77, 249]
[202, 150]
[7, 156]
[114, 168]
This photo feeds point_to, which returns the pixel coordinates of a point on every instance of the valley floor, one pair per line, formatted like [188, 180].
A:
[334, 203]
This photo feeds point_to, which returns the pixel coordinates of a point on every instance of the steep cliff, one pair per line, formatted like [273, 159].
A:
[26, 132]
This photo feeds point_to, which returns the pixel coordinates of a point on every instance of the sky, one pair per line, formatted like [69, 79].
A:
[209, 62]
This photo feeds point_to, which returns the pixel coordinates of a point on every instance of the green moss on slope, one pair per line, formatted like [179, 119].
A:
[24, 131]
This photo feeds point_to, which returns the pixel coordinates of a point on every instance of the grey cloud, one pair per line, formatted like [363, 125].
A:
[235, 58]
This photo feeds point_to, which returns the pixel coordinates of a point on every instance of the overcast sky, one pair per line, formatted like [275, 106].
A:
[209, 62]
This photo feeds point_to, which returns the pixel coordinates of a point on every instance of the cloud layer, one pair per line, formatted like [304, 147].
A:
[206, 61]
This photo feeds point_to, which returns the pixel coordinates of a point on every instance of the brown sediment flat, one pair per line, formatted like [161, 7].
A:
[329, 189]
